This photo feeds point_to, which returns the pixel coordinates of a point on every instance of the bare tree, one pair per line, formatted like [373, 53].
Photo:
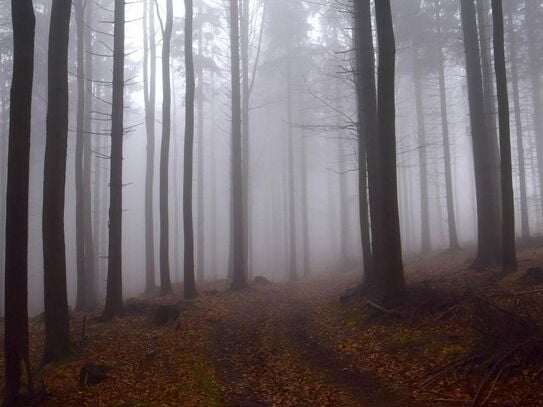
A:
[57, 332]
[17, 364]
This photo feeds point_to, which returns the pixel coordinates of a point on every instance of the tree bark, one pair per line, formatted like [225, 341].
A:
[57, 332]
[200, 250]
[149, 75]
[509, 259]
[114, 292]
[239, 273]
[17, 364]
[165, 281]
[189, 288]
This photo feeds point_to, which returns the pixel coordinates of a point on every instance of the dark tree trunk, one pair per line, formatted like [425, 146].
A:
[532, 41]
[17, 365]
[488, 252]
[165, 281]
[368, 139]
[57, 333]
[200, 250]
[239, 274]
[425, 245]
[509, 262]
[114, 292]
[451, 217]
[524, 220]
[391, 278]
[149, 75]
[189, 289]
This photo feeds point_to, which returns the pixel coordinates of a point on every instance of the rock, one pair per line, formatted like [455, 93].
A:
[261, 280]
[91, 374]
[166, 313]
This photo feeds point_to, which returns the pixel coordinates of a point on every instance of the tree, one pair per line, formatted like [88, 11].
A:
[149, 75]
[189, 287]
[16, 262]
[391, 277]
[239, 275]
[57, 332]
[368, 140]
[509, 260]
[524, 221]
[165, 282]
[488, 251]
[199, 96]
[86, 290]
[114, 291]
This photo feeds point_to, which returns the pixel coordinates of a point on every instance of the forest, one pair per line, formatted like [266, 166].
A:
[271, 203]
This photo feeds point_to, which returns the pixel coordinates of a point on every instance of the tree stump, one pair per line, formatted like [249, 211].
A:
[91, 374]
[533, 276]
[259, 280]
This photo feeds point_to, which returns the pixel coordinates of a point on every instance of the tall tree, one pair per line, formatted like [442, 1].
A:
[239, 274]
[189, 286]
[368, 140]
[165, 281]
[57, 332]
[149, 75]
[509, 259]
[524, 220]
[488, 251]
[114, 291]
[451, 217]
[86, 291]
[391, 278]
[17, 364]
[200, 252]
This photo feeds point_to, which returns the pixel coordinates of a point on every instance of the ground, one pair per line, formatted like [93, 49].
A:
[300, 345]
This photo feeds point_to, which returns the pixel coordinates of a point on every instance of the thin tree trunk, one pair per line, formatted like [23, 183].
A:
[305, 201]
[451, 217]
[292, 267]
[189, 288]
[239, 275]
[114, 293]
[368, 140]
[524, 220]
[488, 252]
[509, 262]
[17, 364]
[57, 332]
[165, 281]
[200, 251]
[392, 282]
[149, 75]
[532, 42]
[425, 245]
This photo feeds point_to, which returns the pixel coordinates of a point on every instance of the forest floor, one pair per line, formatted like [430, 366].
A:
[459, 336]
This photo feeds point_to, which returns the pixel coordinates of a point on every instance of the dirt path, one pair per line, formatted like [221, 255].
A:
[265, 355]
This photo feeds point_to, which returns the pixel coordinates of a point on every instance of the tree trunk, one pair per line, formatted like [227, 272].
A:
[239, 274]
[488, 252]
[425, 245]
[524, 220]
[391, 278]
[292, 267]
[451, 217]
[532, 41]
[509, 262]
[165, 281]
[189, 288]
[200, 251]
[57, 333]
[149, 75]
[114, 293]
[305, 200]
[368, 139]
[16, 232]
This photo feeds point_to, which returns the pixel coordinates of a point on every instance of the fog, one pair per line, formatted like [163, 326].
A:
[302, 94]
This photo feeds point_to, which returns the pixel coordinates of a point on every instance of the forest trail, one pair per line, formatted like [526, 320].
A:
[265, 354]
